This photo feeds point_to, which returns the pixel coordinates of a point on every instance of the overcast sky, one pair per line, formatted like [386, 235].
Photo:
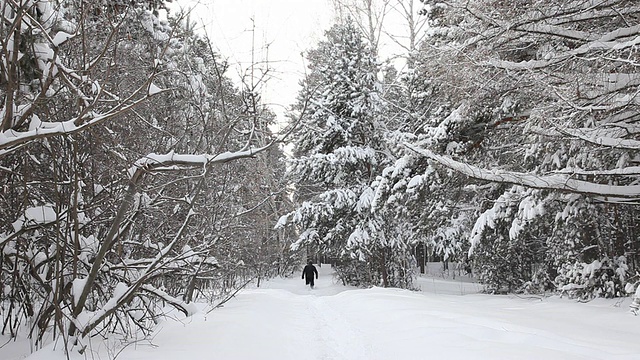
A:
[286, 27]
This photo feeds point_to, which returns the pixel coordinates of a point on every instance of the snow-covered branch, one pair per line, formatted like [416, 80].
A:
[599, 137]
[148, 164]
[10, 139]
[562, 182]
[187, 309]
[617, 40]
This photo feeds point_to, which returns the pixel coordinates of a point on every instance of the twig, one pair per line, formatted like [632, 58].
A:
[220, 304]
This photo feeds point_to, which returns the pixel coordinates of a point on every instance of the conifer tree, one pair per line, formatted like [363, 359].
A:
[540, 101]
[339, 150]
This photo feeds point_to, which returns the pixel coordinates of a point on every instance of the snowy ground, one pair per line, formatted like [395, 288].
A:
[449, 319]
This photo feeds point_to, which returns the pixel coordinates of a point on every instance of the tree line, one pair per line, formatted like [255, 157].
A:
[507, 142]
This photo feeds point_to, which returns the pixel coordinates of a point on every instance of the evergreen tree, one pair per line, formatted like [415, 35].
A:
[339, 150]
[531, 99]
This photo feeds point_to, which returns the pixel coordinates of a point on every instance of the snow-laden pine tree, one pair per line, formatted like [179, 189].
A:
[338, 151]
[432, 201]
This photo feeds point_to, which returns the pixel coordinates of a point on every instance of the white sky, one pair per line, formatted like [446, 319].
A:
[286, 27]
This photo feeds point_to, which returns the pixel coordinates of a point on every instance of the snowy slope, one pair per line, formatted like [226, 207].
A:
[285, 320]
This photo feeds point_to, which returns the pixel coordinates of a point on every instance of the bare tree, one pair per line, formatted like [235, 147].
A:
[368, 15]
[414, 30]
[99, 226]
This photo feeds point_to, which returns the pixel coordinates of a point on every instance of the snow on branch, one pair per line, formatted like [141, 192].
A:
[85, 321]
[38, 215]
[172, 161]
[343, 155]
[187, 309]
[31, 219]
[339, 198]
[309, 212]
[11, 139]
[625, 171]
[326, 166]
[562, 182]
[616, 40]
[555, 30]
[598, 137]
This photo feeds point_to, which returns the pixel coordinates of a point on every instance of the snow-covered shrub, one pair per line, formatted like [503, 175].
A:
[492, 266]
[508, 256]
[539, 283]
[633, 288]
[355, 273]
[586, 281]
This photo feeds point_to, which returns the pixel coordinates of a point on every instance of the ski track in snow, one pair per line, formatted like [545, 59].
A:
[336, 337]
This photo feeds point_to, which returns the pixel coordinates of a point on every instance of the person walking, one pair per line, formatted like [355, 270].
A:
[308, 273]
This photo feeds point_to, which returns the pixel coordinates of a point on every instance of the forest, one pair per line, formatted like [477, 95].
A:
[135, 173]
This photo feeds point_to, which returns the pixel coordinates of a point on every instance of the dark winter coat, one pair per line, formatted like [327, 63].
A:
[308, 272]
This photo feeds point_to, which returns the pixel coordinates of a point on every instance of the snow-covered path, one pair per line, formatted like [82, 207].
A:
[284, 320]
[335, 337]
